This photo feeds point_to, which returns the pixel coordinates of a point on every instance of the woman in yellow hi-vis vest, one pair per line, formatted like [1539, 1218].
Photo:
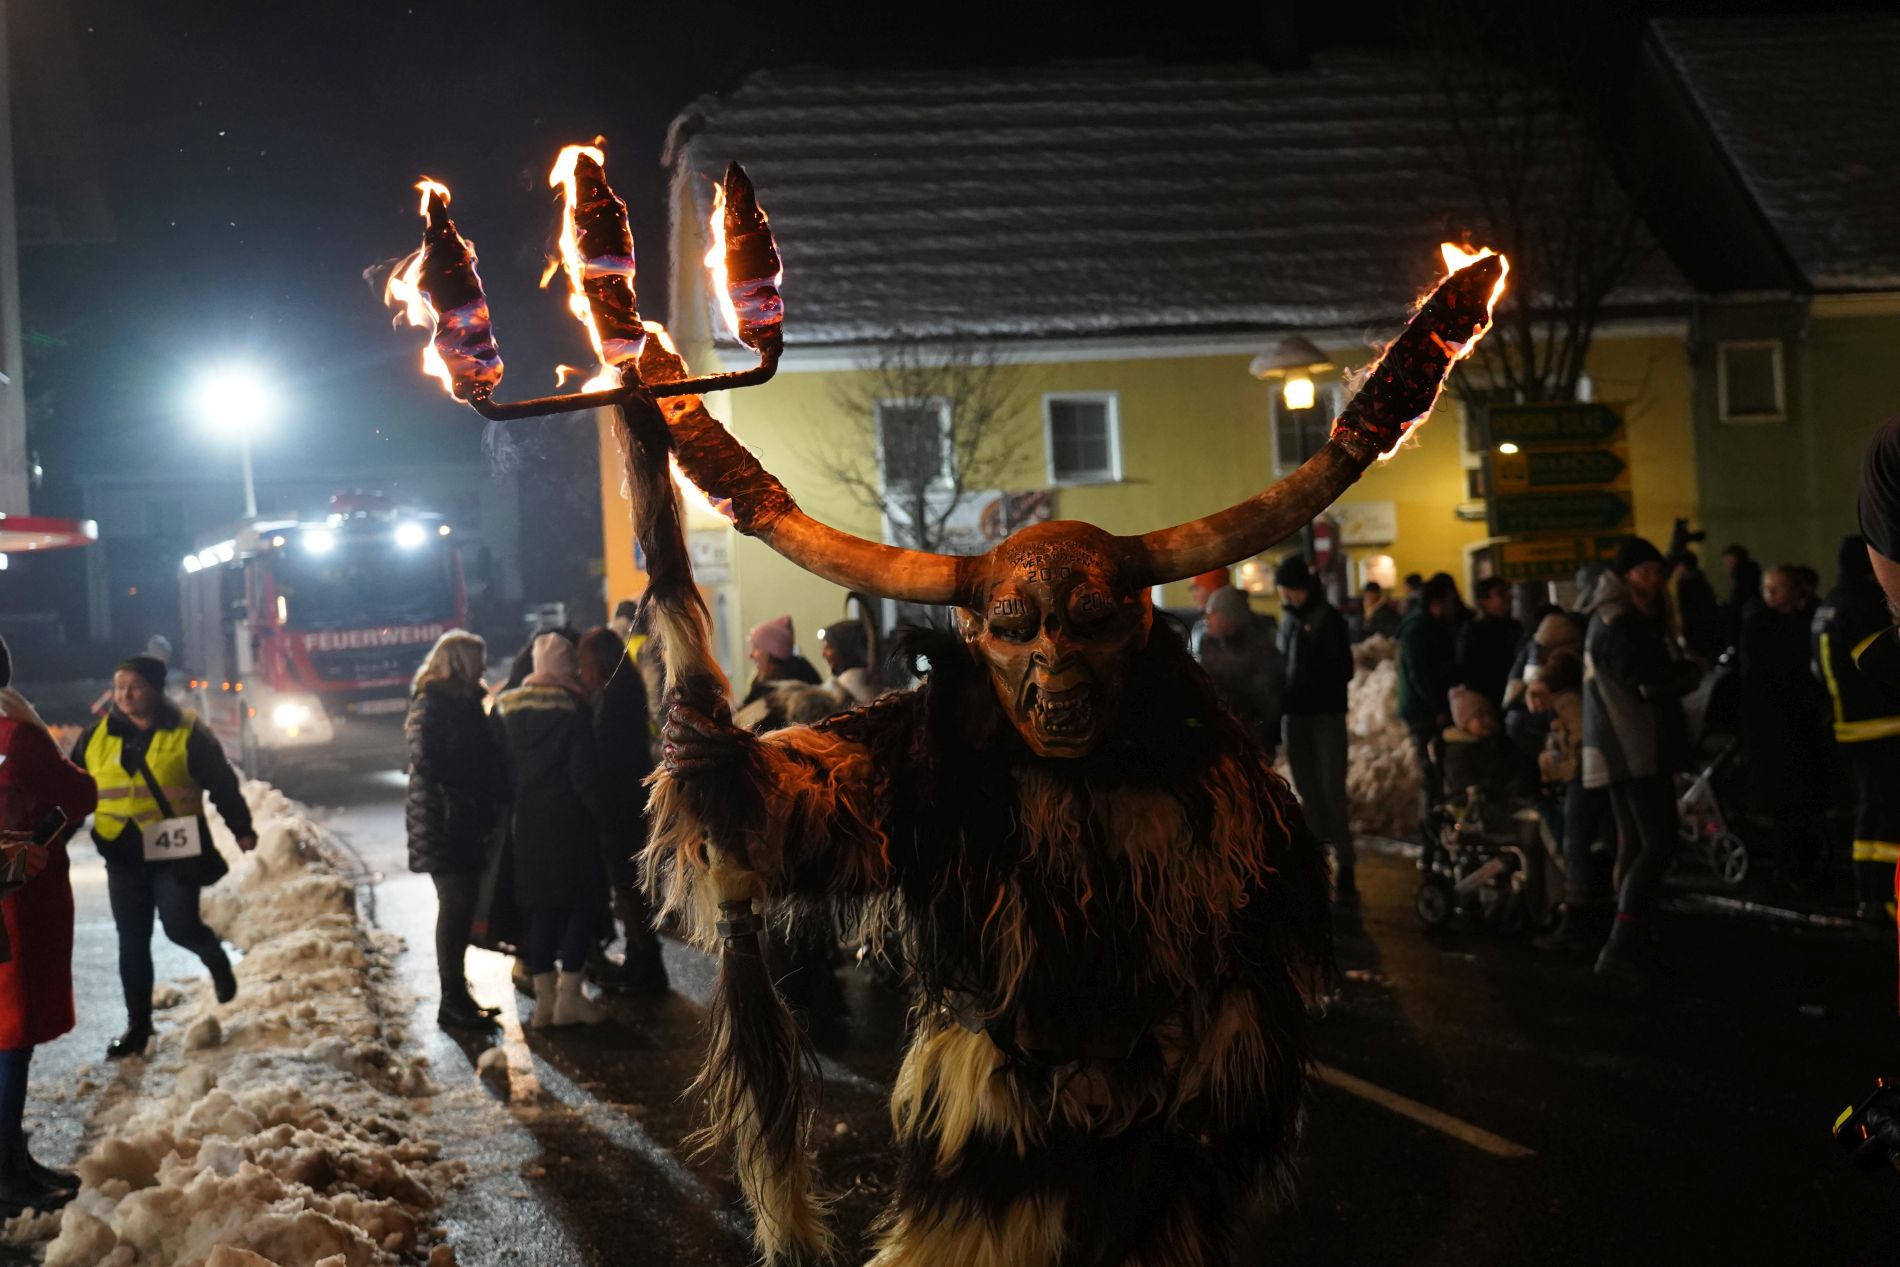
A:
[155, 765]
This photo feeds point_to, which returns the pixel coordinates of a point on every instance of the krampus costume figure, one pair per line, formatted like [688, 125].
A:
[1111, 908]
[1113, 913]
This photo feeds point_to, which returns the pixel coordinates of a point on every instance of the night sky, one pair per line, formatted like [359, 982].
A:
[254, 166]
[257, 158]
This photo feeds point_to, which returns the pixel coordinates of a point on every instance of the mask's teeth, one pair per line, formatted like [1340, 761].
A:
[1067, 713]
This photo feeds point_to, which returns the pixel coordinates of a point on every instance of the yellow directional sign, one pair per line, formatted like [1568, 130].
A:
[1560, 470]
[1564, 425]
[1552, 558]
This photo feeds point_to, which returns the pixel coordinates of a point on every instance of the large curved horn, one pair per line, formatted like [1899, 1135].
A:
[1396, 396]
[725, 470]
[1259, 523]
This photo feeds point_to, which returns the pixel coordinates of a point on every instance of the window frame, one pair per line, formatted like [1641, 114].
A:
[1112, 415]
[1328, 399]
[1722, 349]
[942, 480]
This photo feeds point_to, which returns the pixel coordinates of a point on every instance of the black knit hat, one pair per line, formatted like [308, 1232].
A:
[1293, 574]
[149, 667]
[1633, 553]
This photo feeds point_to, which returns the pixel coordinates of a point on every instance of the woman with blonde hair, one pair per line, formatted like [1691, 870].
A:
[456, 782]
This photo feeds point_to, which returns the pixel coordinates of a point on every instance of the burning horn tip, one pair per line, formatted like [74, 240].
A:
[742, 200]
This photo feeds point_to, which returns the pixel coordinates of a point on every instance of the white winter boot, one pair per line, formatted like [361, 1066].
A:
[545, 1008]
[571, 1004]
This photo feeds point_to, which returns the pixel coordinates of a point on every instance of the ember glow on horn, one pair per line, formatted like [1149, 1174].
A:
[438, 287]
[1403, 385]
[744, 262]
[597, 254]
[694, 496]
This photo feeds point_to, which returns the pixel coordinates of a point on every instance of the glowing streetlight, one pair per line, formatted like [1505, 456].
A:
[1292, 363]
[1298, 392]
[238, 400]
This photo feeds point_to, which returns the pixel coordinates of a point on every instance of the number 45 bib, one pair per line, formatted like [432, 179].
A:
[172, 838]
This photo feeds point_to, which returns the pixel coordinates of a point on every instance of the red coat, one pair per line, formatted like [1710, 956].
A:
[36, 984]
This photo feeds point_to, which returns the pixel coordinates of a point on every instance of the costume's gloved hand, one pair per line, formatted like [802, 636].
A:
[695, 747]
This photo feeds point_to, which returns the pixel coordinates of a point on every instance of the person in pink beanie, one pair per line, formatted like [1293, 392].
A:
[775, 658]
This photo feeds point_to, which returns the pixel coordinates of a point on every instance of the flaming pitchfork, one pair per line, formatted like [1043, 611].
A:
[754, 1096]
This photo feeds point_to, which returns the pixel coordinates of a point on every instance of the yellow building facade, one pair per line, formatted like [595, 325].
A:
[1195, 434]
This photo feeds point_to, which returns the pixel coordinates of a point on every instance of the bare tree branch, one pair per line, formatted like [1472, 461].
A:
[1518, 89]
[950, 408]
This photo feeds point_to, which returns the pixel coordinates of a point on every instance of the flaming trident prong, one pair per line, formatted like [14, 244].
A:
[438, 286]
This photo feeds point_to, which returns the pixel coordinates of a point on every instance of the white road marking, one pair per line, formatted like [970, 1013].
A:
[1424, 1114]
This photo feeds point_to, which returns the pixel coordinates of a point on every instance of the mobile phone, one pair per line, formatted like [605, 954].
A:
[51, 826]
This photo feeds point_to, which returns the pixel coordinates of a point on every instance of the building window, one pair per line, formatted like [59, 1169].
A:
[913, 443]
[1299, 433]
[1749, 382]
[1083, 436]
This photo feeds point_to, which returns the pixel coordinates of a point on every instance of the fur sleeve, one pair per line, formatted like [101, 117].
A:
[805, 814]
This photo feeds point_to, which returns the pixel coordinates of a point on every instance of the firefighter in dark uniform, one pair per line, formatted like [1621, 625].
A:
[1866, 720]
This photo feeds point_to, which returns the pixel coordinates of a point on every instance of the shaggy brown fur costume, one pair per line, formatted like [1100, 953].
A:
[1112, 959]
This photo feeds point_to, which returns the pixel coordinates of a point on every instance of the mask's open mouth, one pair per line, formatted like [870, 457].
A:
[1064, 716]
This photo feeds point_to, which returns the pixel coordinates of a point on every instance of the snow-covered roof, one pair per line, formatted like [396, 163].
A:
[1100, 199]
[1808, 111]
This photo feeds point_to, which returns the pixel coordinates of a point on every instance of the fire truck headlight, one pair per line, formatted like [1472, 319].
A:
[409, 536]
[319, 541]
[290, 716]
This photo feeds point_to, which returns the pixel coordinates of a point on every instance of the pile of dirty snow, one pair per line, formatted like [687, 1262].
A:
[1381, 770]
[280, 1130]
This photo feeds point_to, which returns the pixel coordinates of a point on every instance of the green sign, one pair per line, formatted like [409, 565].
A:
[1559, 470]
[1552, 558]
[1564, 426]
[1603, 512]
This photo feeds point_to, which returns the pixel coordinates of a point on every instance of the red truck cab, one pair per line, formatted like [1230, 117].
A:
[301, 636]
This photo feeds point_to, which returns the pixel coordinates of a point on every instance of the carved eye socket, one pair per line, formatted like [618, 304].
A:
[1011, 620]
[1091, 609]
[1012, 630]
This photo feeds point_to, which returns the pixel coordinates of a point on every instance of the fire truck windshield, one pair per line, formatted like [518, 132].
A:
[365, 583]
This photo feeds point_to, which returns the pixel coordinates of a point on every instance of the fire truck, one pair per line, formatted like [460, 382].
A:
[301, 636]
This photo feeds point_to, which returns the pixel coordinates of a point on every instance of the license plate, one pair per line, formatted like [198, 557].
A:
[371, 707]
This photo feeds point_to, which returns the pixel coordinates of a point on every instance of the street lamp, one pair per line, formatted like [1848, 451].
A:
[238, 400]
[1292, 362]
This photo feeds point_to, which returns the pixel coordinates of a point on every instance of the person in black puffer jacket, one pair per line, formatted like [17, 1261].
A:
[456, 782]
[560, 873]
[625, 750]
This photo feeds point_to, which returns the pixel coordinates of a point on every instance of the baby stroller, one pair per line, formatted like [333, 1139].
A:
[1478, 865]
[1702, 824]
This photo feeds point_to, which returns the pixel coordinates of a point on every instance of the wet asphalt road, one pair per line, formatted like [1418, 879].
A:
[1564, 1122]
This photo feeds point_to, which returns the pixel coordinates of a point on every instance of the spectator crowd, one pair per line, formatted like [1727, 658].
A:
[1590, 718]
